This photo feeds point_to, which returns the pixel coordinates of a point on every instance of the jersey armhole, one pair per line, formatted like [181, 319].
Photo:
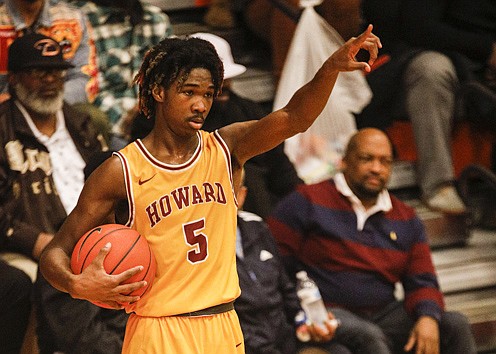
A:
[129, 187]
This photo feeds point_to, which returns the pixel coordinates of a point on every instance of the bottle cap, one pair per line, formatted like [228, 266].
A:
[301, 274]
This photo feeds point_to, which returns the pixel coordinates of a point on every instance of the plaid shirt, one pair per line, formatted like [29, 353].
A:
[68, 26]
[120, 51]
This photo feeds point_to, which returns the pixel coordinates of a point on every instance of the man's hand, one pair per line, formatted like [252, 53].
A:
[309, 331]
[424, 336]
[94, 284]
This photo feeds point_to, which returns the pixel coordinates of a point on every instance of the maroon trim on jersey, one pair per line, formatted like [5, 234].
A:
[127, 179]
[165, 166]
[227, 153]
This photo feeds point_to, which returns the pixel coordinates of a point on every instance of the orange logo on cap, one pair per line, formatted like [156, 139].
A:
[48, 47]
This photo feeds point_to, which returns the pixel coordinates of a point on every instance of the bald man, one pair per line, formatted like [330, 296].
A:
[357, 242]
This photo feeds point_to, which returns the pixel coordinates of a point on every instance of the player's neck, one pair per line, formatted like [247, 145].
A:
[171, 150]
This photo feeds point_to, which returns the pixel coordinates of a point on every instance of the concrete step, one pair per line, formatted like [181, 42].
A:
[467, 277]
[480, 309]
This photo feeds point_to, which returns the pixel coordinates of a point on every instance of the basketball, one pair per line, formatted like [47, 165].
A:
[129, 249]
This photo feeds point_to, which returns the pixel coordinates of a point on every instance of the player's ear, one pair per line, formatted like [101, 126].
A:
[158, 93]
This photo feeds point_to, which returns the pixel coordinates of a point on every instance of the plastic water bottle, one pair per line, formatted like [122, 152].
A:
[311, 300]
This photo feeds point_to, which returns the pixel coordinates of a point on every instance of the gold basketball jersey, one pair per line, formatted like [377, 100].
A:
[187, 213]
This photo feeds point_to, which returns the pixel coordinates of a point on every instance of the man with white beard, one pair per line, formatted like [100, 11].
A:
[44, 147]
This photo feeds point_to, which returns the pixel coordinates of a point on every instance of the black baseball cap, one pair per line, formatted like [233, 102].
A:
[35, 50]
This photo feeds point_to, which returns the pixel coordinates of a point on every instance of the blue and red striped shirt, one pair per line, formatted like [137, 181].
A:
[316, 229]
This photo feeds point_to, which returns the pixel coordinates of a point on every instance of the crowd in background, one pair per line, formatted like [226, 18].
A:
[439, 67]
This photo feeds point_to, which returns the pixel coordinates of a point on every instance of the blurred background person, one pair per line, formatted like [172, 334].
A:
[68, 26]
[123, 30]
[442, 60]
[357, 242]
[45, 146]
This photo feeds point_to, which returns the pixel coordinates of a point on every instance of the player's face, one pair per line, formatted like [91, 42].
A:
[367, 169]
[188, 100]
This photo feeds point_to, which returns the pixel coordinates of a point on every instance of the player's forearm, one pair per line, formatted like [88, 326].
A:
[309, 101]
[55, 266]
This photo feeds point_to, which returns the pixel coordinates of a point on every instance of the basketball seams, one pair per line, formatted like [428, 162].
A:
[150, 263]
[125, 254]
[107, 233]
[130, 250]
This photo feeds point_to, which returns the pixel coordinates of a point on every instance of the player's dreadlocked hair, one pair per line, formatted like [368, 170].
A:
[171, 59]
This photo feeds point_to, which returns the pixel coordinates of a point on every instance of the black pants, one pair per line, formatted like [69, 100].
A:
[15, 307]
[75, 326]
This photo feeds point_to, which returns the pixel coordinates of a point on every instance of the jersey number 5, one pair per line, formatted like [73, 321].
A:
[197, 240]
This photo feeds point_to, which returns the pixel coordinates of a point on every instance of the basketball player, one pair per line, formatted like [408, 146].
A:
[178, 184]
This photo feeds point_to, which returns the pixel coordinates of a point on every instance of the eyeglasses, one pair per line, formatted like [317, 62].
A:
[40, 73]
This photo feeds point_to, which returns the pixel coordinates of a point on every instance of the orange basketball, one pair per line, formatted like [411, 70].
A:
[129, 249]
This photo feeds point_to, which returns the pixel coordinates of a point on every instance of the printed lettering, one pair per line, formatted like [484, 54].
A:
[152, 213]
[165, 206]
[184, 197]
[209, 192]
[221, 196]
[197, 197]
[181, 197]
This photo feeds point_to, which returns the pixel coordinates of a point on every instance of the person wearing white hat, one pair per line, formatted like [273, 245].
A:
[231, 69]
[269, 176]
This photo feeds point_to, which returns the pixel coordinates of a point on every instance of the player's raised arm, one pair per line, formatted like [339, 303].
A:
[253, 138]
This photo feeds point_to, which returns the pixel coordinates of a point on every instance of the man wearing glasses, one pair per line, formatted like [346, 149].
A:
[44, 147]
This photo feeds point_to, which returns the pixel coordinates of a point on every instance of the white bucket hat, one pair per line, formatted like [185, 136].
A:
[231, 69]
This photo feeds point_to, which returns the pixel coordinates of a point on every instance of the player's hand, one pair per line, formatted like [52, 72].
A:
[344, 59]
[424, 336]
[96, 285]
[311, 332]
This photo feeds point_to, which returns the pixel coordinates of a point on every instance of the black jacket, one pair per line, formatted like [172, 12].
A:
[268, 302]
[29, 202]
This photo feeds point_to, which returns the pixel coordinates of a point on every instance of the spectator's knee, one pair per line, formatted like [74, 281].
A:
[368, 335]
[432, 67]
[455, 322]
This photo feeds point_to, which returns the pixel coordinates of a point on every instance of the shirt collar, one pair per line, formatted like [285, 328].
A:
[60, 123]
[383, 202]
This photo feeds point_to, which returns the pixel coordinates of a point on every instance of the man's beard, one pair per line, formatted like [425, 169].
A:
[35, 103]
[365, 193]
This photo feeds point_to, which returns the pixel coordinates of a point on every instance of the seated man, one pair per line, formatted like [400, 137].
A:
[357, 242]
[442, 60]
[64, 23]
[268, 308]
[44, 147]
[123, 31]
